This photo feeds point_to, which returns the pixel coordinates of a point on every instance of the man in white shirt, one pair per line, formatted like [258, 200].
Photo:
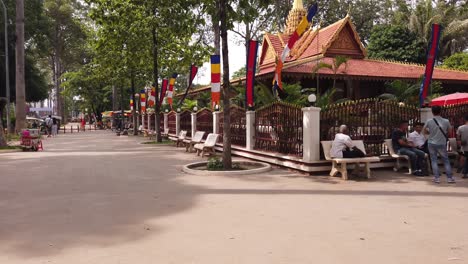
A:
[417, 139]
[342, 145]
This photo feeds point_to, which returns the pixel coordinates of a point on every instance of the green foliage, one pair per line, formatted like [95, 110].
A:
[214, 164]
[451, 15]
[239, 73]
[393, 42]
[458, 61]
[408, 92]
[326, 98]
[295, 95]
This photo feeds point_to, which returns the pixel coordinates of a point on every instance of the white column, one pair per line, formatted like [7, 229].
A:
[166, 121]
[149, 121]
[250, 130]
[426, 114]
[216, 116]
[143, 120]
[194, 124]
[177, 123]
[311, 134]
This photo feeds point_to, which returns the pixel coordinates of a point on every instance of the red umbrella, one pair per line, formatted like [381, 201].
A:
[455, 98]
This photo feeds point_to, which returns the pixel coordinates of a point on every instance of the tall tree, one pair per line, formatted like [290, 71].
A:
[393, 42]
[227, 157]
[20, 82]
[452, 16]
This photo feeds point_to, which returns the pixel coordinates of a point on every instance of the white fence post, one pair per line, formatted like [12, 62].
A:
[426, 114]
[249, 130]
[194, 123]
[149, 121]
[311, 134]
[166, 121]
[216, 115]
[177, 123]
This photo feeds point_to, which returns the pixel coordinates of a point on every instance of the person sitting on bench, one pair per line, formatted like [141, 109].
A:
[402, 146]
[343, 147]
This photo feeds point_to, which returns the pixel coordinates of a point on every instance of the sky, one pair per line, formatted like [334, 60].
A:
[237, 60]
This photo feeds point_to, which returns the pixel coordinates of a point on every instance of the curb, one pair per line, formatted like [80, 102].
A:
[265, 167]
[2, 151]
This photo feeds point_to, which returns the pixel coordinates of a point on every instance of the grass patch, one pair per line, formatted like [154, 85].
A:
[12, 137]
[216, 164]
[10, 147]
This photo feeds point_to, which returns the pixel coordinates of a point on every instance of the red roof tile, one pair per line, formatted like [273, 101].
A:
[377, 69]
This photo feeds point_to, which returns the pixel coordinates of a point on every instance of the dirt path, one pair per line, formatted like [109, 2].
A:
[97, 198]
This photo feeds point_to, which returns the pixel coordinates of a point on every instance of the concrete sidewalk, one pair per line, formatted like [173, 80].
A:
[94, 197]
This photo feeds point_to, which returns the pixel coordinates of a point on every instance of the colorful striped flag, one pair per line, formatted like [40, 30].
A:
[163, 90]
[143, 100]
[301, 28]
[152, 97]
[193, 73]
[171, 89]
[215, 80]
[251, 67]
[432, 52]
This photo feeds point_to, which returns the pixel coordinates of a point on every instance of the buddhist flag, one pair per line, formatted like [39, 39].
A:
[171, 89]
[131, 103]
[163, 90]
[152, 97]
[193, 73]
[432, 52]
[301, 28]
[143, 100]
[215, 80]
[251, 66]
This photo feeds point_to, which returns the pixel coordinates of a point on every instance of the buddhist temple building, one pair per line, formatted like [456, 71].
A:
[360, 77]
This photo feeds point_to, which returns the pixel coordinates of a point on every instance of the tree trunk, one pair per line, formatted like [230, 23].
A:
[135, 105]
[3, 142]
[227, 159]
[114, 98]
[20, 82]
[157, 107]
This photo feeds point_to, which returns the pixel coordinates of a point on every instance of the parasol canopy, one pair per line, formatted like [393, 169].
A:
[455, 98]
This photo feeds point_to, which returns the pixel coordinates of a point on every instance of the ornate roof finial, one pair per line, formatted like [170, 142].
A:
[295, 16]
[298, 4]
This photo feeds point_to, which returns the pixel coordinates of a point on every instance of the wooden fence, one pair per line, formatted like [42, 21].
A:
[186, 122]
[370, 120]
[278, 128]
[238, 126]
[205, 121]
[171, 120]
[455, 113]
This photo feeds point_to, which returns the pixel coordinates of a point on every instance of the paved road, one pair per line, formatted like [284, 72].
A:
[97, 198]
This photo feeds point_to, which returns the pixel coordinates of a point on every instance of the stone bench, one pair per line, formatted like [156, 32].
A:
[339, 165]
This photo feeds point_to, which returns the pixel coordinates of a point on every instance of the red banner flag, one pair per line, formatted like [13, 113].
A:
[251, 66]
[163, 90]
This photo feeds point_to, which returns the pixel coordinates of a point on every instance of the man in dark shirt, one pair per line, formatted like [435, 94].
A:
[403, 147]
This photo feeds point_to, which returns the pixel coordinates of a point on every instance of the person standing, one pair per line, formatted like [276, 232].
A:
[48, 124]
[462, 136]
[54, 126]
[438, 129]
[403, 147]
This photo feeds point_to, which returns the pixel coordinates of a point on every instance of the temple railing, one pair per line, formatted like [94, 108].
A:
[238, 126]
[278, 128]
[205, 121]
[370, 120]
